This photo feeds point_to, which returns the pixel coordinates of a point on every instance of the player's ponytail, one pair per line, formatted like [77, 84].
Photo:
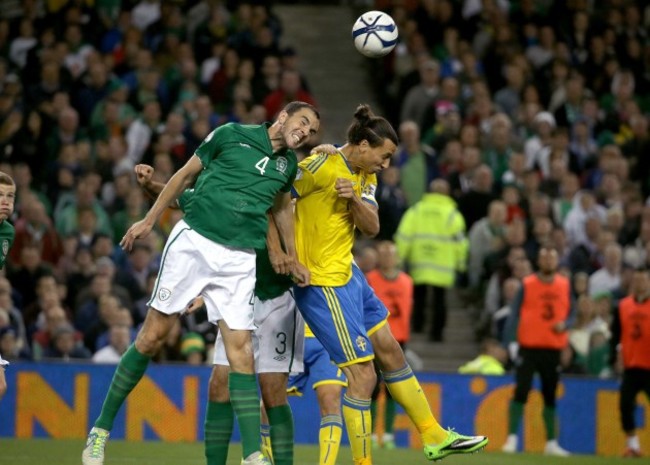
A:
[367, 126]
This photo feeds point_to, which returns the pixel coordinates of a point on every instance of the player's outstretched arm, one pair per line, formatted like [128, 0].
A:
[144, 174]
[182, 179]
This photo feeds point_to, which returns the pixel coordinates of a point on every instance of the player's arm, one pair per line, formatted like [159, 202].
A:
[364, 211]
[283, 223]
[180, 181]
[152, 189]
[280, 261]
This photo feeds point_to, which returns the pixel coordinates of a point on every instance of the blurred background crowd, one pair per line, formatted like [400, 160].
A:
[534, 112]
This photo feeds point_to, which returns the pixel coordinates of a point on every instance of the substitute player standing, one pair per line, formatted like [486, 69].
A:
[631, 340]
[540, 316]
[239, 172]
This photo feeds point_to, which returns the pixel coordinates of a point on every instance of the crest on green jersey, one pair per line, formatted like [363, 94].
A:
[281, 165]
[5, 247]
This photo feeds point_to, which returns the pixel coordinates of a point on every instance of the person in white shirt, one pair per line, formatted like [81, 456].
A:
[608, 278]
[119, 340]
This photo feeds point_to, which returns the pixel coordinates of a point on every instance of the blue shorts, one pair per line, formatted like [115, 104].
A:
[342, 317]
[318, 368]
[375, 313]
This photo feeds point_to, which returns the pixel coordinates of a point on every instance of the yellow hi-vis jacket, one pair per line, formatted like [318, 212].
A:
[431, 240]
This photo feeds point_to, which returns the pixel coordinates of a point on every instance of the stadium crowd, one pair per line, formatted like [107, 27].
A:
[535, 113]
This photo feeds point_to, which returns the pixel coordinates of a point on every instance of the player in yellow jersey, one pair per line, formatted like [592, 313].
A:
[335, 196]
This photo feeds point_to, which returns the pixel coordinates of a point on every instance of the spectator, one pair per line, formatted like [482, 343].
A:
[474, 203]
[193, 348]
[119, 340]
[289, 90]
[485, 237]
[391, 201]
[608, 278]
[417, 163]
[65, 345]
[421, 96]
[490, 361]
[35, 228]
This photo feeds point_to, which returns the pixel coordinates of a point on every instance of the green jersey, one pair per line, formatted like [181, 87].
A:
[240, 179]
[7, 234]
[268, 283]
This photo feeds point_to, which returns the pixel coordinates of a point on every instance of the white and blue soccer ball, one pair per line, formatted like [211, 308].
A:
[374, 34]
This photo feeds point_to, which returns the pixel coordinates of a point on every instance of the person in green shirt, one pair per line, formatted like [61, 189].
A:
[7, 234]
[278, 342]
[239, 173]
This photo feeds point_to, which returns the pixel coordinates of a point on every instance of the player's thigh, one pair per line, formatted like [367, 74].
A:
[361, 379]
[279, 335]
[375, 313]
[184, 271]
[388, 352]
[229, 294]
[524, 372]
[239, 348]
[335, 316]
[548, 367]
[154, 330]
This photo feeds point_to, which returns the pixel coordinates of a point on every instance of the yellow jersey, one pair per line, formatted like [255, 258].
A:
[324, 223]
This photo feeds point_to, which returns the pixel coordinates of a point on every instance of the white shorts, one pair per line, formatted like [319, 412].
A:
[278, 340]
[194, 265]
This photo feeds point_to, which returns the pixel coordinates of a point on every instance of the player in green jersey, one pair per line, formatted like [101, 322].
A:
[278, 342]
[239, 172]
[7, 234]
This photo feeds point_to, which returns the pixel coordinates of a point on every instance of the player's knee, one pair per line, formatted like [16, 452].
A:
[330, 402]
[361, 380]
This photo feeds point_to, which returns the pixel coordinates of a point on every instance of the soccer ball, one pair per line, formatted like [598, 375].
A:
[374, 34]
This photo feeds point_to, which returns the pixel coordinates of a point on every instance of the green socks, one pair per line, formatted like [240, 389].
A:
[548, 414]
[281, 422]
[219, 421]
[515, 413]
[389, 415]
[128, 373]
[246, 404]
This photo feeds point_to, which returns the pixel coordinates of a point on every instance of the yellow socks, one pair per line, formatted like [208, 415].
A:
[329, 438]
[406, 390]
[359, 425]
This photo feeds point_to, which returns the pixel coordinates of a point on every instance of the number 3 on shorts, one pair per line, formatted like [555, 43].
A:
[261, 165]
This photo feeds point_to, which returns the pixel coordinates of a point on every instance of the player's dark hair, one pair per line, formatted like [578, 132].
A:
[6, 180]
[367, 126]
[297, 105]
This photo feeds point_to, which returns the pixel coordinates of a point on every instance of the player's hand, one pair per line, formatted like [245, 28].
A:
[143, 174]
[194, 305]
[138, 230]
[559, 327]
[345, 188]
[281, 262]
[300, 274]
[324, 148]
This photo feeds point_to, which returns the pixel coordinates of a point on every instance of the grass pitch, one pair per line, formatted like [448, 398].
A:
[68, 452]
